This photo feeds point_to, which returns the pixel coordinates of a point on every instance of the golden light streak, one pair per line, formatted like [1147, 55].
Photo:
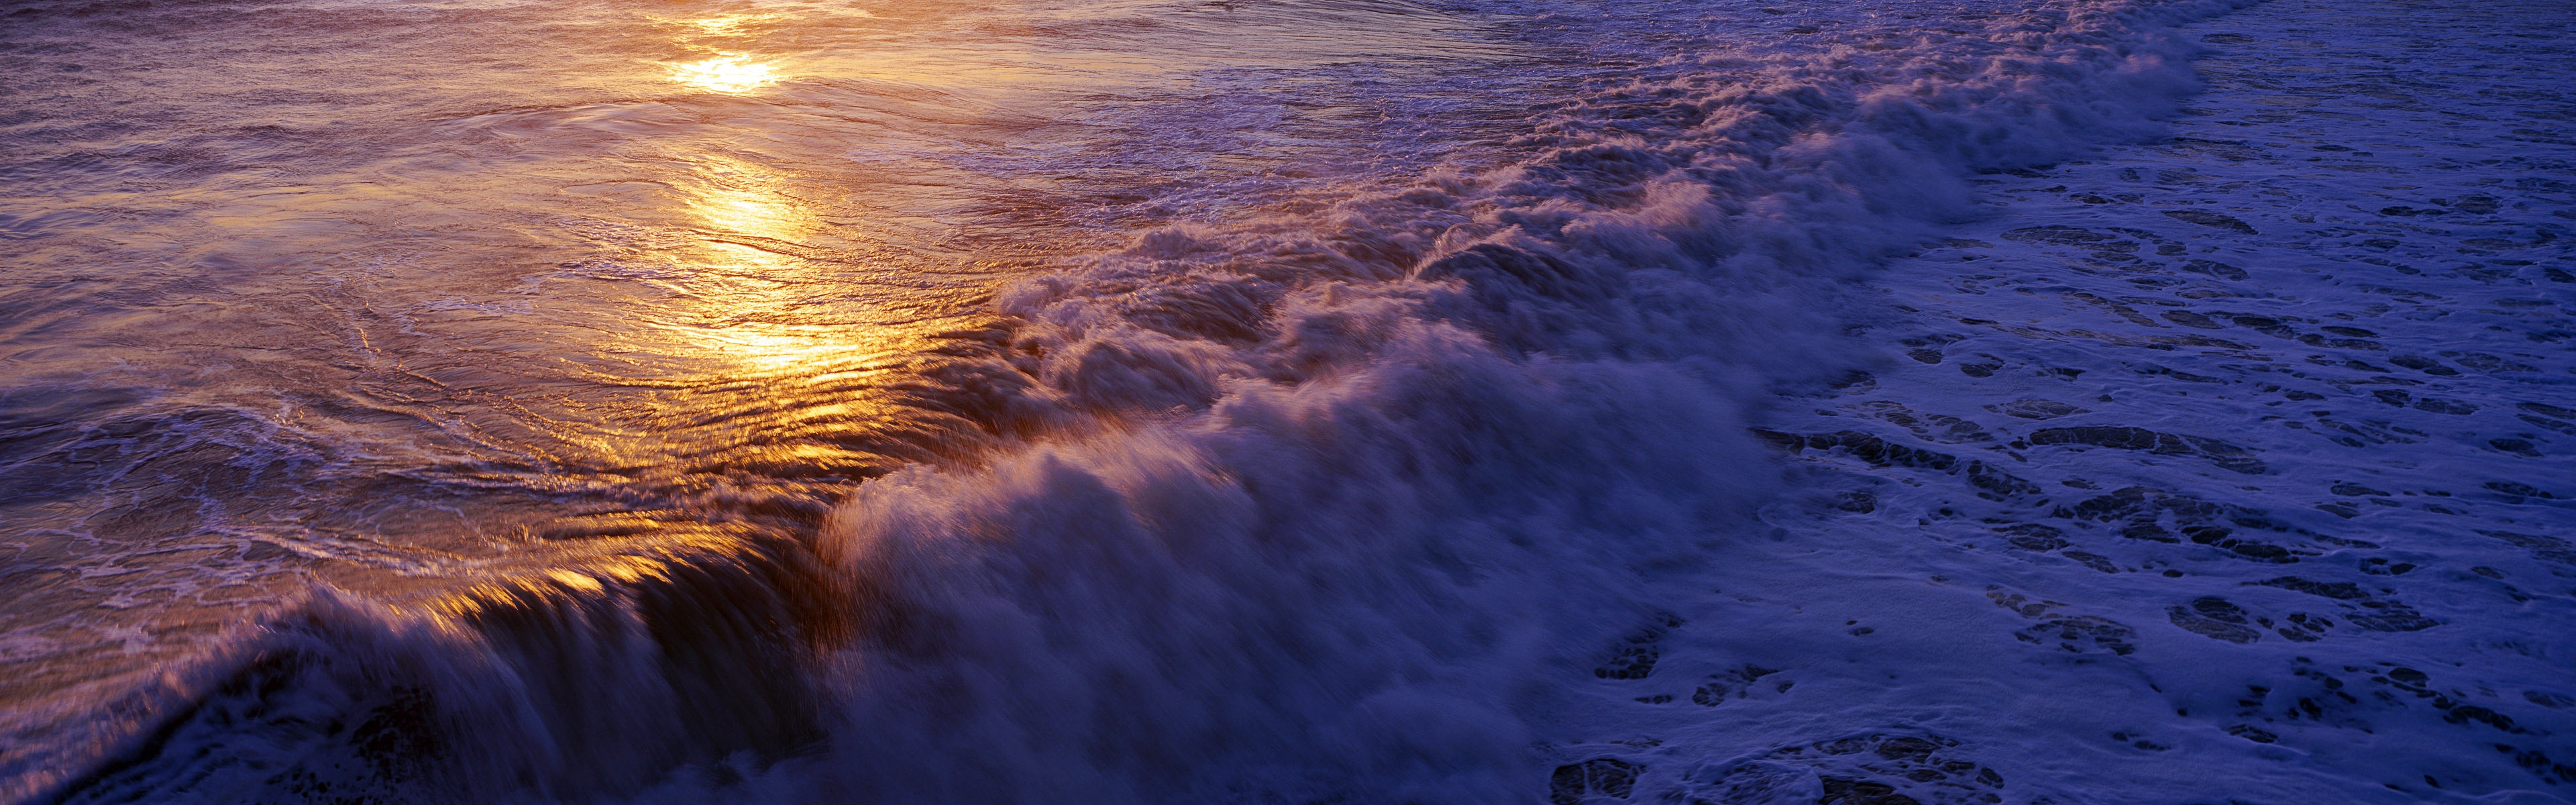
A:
[733, 74]
[726, 25]
[750, 212]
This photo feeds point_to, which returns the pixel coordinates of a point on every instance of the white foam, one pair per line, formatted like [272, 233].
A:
[1384, 478]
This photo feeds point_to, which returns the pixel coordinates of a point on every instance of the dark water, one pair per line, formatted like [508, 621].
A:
[1004, 401]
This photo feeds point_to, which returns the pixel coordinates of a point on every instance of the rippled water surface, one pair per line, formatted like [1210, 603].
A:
[394, 295]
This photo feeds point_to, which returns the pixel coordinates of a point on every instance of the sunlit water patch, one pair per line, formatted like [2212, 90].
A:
[731, 73]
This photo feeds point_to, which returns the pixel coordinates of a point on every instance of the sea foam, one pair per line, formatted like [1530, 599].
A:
[1301, 506]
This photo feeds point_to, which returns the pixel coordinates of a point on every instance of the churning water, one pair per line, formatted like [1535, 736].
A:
[1018, 400]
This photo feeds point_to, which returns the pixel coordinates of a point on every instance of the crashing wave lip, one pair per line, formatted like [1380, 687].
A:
[591, 678]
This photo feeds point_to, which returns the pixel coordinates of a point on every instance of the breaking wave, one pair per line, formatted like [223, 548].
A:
[1320, 506]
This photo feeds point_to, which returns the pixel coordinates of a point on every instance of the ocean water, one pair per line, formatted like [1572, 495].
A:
[1009, 401]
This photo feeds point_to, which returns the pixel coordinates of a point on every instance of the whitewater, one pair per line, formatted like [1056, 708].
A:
[2031, 401]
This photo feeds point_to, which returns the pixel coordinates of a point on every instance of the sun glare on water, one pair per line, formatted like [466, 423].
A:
[734, 74]
[726, 25]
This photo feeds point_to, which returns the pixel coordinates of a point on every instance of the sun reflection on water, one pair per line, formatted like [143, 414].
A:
[758, 213]
[727, 25]
[755, 281]
[728, 73]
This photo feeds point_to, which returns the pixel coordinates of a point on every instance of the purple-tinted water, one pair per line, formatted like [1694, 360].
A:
[1006, 402]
